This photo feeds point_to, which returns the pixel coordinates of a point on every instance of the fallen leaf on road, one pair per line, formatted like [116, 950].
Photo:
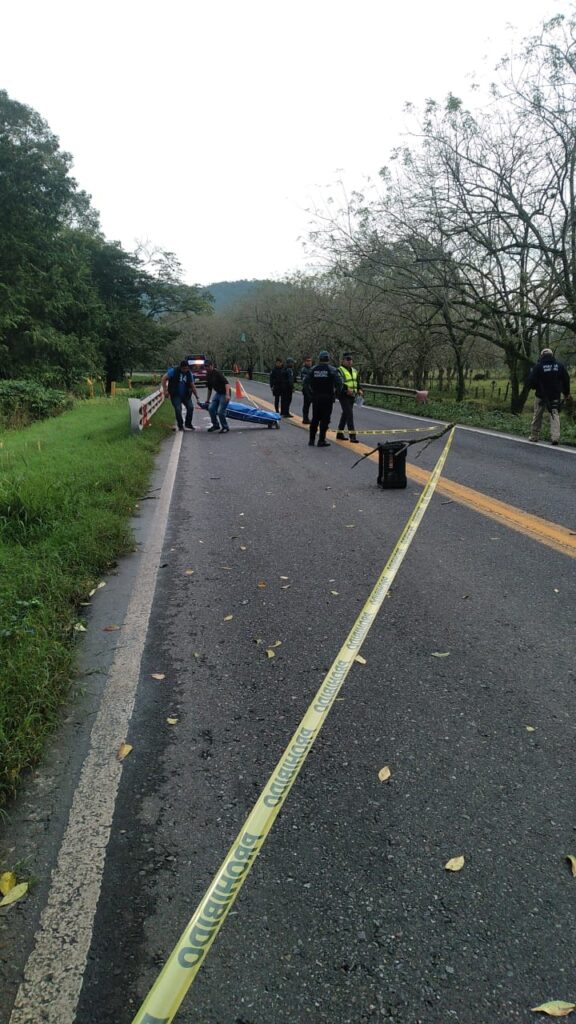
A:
[258, 641]
[572, 862]
[123, 751]
[172, 721]
[15, 894]
[100, 585]
[440, 654]
[277, 643]
[262, 584]
[80, 628]
[350, 526]
[530, 728]
[189, 572]
[360, 659]
[454, 864]
[242, 547]
[158, 675]
[384, 774]
[556, 1008]
[270, 653]
[7, 882]
[228, 617]
[284, 577]
[286, 586]
[110, 629]
[92, 592]
[335, 592]
[229, 567]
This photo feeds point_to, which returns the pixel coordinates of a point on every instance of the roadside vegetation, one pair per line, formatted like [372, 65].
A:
[68, 487]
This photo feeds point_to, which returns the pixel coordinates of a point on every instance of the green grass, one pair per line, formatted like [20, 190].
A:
[68, 487]
[474, 413]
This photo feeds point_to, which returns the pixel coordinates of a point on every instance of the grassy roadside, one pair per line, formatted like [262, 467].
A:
[475, 414]
[68, 487]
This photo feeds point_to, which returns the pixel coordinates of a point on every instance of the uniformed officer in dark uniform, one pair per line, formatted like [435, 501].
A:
[324, 384]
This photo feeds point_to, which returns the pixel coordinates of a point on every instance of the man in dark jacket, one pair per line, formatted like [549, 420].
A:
[306, 399]
[216, 382]
[550, 380]
[178, 382]
[323, 384]
[277, 381]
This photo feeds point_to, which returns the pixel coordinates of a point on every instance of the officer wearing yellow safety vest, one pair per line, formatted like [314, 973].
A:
[350, 390]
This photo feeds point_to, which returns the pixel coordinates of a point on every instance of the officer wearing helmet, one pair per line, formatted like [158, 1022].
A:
[323, 384]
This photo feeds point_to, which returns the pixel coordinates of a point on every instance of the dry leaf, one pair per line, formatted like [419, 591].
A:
[335, 592]
[92, 592]
[454, 864]
[7, 882]
[440, 654]
[242, 547]
[227, 618]
[189, 572]
[360, 659]
[270, 653]
[284, 577]
[110, 629]
[172, 721]
[349, 526]
[262, 584]
[277, 643]
[530, 728]
[158, 675]
[258, 641]
[285, 586]
[100, 585]
[15, 894]
[80, 628]
[571, 860]
[123, 751]
[556, 1008]
[384, 774]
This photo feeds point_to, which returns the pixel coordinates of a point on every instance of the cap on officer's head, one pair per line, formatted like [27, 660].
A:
[546, 352]
[324, 356]
[347, 355]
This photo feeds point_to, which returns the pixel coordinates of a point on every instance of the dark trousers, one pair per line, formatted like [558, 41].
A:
[306, 406]
[189, 405]
[277, 395]
[321, 412]
[347, 417]
[285, 400]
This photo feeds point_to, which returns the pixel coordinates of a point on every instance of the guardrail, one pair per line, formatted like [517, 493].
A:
[376, 389]
[142, 409]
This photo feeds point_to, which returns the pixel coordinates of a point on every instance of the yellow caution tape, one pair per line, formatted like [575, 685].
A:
[397, 430]
[162, 1002]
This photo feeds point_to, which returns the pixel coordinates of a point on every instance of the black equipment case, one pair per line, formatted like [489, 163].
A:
[392, 464]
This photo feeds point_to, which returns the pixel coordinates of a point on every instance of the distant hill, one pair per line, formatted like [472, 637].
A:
[226, 293]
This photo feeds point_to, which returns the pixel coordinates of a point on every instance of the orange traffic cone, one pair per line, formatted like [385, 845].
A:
[239, 391]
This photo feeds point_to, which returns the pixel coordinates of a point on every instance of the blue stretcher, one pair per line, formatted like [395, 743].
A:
[248, 414]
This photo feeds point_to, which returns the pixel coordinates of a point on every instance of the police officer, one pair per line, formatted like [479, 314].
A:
[550, 380]
[304, 371]
[324, 384]
[350, 389]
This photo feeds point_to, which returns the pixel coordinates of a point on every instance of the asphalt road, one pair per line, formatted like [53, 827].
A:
[348, 915]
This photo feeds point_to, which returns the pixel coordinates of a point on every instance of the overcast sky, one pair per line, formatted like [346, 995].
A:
[208, 128]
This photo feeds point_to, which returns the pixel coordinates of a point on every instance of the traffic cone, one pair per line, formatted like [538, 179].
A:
[239, 392]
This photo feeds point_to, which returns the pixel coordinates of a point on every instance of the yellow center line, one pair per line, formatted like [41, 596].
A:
[552, 535]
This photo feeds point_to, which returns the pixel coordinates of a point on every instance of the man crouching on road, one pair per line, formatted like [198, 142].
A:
[550, 380]
[324, 384]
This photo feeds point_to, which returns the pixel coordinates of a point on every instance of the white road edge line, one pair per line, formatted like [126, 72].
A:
[497, 434]
[54, 972]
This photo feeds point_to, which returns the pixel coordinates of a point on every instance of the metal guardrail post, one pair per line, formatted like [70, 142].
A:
[142, 409]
